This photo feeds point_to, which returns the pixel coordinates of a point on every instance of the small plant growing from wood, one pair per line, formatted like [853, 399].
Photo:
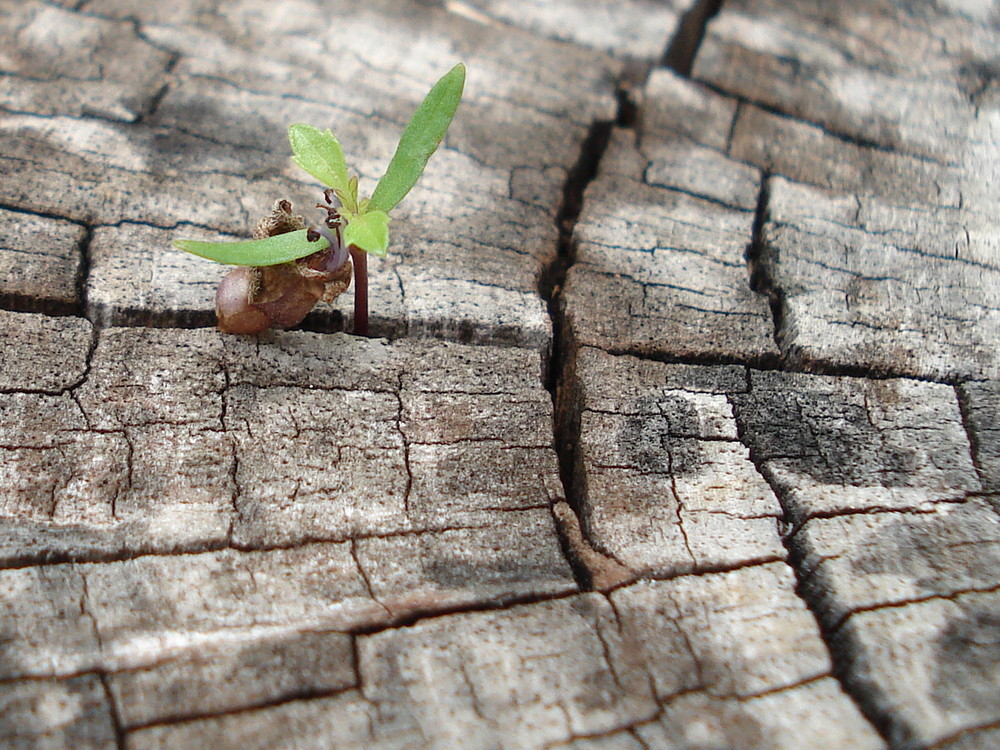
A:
[289, 266]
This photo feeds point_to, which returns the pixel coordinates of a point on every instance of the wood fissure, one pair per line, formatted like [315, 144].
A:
[677, 428]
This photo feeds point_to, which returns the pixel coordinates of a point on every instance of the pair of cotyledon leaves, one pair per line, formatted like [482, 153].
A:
[366, 221]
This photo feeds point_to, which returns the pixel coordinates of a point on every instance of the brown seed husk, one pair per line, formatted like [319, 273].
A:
[280, 220]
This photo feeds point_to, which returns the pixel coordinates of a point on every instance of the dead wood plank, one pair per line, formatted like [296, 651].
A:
[65, 619]
[664, 484]
[889, 460]
[637, 658]
[891, 269]
[45, 629]
[739, 661]
[102, 173]
[637, 29]
[201, 533]
[982, 738]
[660, 263]
[622, 740]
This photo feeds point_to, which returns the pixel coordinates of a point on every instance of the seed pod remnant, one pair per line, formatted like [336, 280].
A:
[251, 299]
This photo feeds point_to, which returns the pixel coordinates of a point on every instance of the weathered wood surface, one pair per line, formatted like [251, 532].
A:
[682, 432]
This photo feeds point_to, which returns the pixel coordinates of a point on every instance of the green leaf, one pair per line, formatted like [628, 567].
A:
[370, 232]
[319, 154]
[420, 139]
[271, 251]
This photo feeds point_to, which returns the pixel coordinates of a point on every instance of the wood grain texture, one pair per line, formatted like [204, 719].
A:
[837, 445]
[469, 244]
[56, 61]
[498, 678]
[655, 248]
[682, 432]
[39, 261]
[981, 407]
[902, 290]
[906, 281]
[637, 29]
[664, 484]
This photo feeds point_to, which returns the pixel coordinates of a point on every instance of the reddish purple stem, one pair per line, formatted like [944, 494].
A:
[360, 258]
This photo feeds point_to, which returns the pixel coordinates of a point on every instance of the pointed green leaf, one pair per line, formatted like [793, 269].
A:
[370, 232]
[320, 154]
[271, 251]
[420, 139]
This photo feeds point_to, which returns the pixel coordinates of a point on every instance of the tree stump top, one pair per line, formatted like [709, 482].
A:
[678, 427]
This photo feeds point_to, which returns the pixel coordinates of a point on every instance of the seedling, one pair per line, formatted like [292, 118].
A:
[288, 267]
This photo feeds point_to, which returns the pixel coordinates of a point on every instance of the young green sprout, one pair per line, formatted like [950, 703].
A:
[288, 267]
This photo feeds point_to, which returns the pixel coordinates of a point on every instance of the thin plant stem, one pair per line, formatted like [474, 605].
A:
[360, 260]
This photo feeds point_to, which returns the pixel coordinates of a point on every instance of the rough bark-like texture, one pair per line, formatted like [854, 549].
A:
[982, 410]
[682, 433]
[912, 602]
[863, 280]
[664, 484]
[897, 268]
[42, 354]
[834, 445]
[39, 261]
[469, 243]
[54, 714]
[630, 28]
[651, 659]
[59, 62]
[205, 441]
[659, 255]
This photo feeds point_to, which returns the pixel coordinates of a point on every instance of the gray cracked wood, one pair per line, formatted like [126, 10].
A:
[895, 550]
[204, 441]
[981, 402]
[55, 61]
[862, 282]
[857, 69]
[912, 601]
[40, 260]
[907, 280]
[322, 541]
[470, 242]
[43, 354]
[876, 477]
[53, 714]
[171, 619]
[659, 262]
[637, 29]
[663, 483]
[499, 678]
[833, 445]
